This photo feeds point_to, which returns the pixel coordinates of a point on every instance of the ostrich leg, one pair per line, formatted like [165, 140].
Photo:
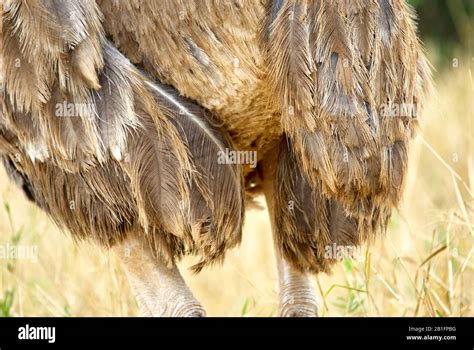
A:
[159, 288]
[296, 292]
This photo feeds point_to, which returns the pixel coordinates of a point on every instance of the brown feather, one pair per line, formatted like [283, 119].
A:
[307, 223]
[216, 199]
[290, 63]
[319, 72]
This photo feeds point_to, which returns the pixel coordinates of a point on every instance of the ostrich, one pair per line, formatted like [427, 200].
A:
[115, 113]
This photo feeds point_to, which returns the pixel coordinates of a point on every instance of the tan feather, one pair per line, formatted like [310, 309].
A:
[308, 224]
[115, 102]
[290, 63]
[26, 89]
[216, 198]
[158, 177]
[319, 72]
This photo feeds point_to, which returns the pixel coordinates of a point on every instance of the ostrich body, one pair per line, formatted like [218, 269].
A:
[114, 114]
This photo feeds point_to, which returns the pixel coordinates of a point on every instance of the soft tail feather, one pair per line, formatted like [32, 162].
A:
[92, 110]
[27, 132]
[87, 96]
[115, 102]
[53, 57]
[290, 63]
[157, 163]
[172, 181]
[309, 226]
[216, 211]
[7, 141]
[19, 77]
[64, 35]
[97, 206]
[354, 61]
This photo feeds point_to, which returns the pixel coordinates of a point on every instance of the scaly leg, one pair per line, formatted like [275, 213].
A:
[296, 291]
[159, 289]
[297, 296]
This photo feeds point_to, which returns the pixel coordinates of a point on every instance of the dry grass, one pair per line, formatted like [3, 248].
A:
[423, 267]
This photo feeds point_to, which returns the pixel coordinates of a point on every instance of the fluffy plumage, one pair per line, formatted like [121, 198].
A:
[125, 105]
[95, 129]
[355, 60]
[307, 222]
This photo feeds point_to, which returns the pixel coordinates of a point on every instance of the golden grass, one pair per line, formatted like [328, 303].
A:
[423, 267]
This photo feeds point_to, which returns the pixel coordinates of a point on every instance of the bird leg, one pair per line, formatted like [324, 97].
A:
[296, 292]
[159, 288]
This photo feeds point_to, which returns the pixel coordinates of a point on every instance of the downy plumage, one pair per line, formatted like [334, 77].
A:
[159, 88]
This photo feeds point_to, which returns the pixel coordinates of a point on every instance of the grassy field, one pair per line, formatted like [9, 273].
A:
[422, 267]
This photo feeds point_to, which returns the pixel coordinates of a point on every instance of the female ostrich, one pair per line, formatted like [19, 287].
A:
[115, 113]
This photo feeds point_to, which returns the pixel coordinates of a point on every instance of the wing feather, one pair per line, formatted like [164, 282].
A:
[363, 59]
